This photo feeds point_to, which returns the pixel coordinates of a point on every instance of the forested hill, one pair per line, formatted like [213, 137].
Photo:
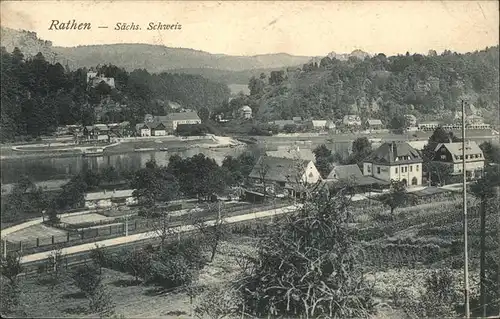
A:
[153, 58]
[428, 86]
[37, 96]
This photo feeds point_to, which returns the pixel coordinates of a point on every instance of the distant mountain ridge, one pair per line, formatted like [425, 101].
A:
[154, 58]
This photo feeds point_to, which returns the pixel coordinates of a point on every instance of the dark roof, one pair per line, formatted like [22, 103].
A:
[345, 172]
[394, 153]
[455, 149]
[278, 169]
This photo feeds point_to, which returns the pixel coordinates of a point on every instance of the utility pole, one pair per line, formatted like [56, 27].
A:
[464, 198]
[497, 200]
[482, 258]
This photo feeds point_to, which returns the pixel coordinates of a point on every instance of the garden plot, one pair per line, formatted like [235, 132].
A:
[44, 234]
[86, 218]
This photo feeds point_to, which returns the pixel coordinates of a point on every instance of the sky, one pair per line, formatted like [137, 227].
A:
[310, 28]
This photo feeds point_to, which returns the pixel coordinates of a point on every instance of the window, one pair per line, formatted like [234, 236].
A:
[411, 168]
[416, 167]
[396, 170]
[368, 168]
[378, 170]
[466, 157]
[443, 157]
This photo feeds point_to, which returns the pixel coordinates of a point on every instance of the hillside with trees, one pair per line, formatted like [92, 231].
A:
[153, 58]
[428, 86]
[38, 96]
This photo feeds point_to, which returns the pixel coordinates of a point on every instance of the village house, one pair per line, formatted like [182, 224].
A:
[451, 155]
[94, 78]
[351, 175]
[143, 129]
[351, 120]
[374, 124]
[395, 161]
[245, 112]
[320, 125]
[97, 132]
[108, 198]
[286, 174]
[173, 120]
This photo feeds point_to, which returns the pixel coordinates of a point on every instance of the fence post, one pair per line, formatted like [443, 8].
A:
[135, 224]
[21, 246]
[67, 237]
[5, 248]
[82, 231]
[52, 239]
[110, 230]
[37, 242]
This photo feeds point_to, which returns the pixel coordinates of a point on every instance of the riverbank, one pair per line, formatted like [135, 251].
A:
[120, 146]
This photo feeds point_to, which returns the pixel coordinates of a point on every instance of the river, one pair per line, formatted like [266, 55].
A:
[52, 168]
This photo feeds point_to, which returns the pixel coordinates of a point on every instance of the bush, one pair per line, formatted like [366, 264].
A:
[438, 300]
[171, 272]
[87, 279]
[191, 249]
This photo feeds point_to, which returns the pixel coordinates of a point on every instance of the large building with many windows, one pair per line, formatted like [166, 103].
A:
[451, 154]
[395, 161]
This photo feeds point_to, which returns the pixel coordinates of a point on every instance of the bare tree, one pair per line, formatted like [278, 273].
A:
[215, 231]
[263, 170]
[99, 256]
[162, 227]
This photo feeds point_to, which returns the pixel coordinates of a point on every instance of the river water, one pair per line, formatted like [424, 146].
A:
[49, 168]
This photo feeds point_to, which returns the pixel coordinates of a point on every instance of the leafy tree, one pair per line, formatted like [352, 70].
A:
[307, 266]
[138, 262]
[109, 174]
[396, 197]
[324, 160]
[89, 281]
[11, 268]
[399, 123]
[198, 175]
[204, 114]
[491, 152]
[73, 193]
[290, 128]
[154, 183]
[361, 148]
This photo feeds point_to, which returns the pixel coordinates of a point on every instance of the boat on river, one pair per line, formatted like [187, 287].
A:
[93, 151]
